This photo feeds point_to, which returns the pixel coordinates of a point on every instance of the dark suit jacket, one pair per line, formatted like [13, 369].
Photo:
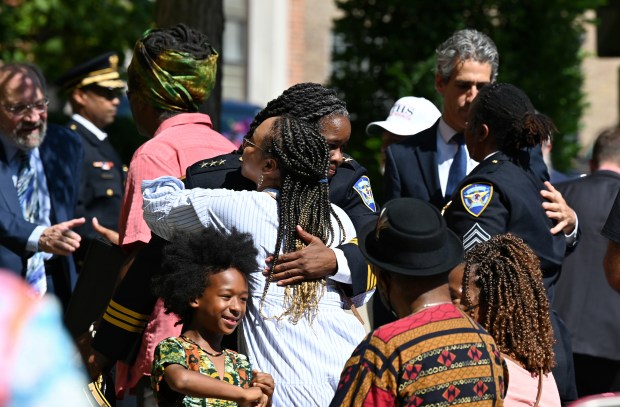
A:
[411, 168]
[584, 299]
[61, 153]
[101, 187]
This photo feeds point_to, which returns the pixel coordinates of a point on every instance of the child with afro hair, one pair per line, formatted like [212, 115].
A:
[204, 282]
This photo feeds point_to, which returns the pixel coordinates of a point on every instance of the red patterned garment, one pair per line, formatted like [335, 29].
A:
[435, 357]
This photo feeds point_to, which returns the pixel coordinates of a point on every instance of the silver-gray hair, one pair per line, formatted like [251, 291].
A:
[463, 45]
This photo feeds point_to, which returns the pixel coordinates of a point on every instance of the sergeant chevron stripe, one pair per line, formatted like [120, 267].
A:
[474, 236]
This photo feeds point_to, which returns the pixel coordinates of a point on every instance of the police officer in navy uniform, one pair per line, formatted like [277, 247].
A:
[502, 195]
[94, 90]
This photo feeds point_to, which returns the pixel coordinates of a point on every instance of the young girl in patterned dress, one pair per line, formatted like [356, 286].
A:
[204, 283]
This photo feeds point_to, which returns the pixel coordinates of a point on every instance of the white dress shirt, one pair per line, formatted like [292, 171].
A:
[446, 152]
[90, 126]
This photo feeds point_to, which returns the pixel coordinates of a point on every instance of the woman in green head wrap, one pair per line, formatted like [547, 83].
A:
[173, 72]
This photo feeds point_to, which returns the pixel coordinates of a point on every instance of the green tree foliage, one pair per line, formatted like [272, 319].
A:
[57, 34]
[385, 50]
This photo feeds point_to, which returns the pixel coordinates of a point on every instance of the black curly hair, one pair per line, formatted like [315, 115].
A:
[191, 258]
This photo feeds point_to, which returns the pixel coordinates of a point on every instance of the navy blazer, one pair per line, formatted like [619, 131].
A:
[61, 153]
[411, 168]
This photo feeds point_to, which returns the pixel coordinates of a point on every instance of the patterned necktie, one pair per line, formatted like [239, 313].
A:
[28, 196]
[458, 169]
[27, 188]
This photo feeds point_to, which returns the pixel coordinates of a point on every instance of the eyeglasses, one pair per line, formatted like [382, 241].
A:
[247, 141]
[20, 109]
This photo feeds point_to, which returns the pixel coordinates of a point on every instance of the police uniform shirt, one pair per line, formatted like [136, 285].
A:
[102, 185]
[501, 196]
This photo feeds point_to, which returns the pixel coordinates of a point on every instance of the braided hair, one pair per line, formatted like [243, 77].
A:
[515, 308]
[513, 122]
[308, 101]
[180, 38]
[303, 158]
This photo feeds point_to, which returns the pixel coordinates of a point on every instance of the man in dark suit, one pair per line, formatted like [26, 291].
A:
[584, 299]
[39, 175]
[430, 164]
[94, 90]
[420, 166]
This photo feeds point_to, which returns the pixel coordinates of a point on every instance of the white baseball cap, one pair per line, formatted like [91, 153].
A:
[409, 115]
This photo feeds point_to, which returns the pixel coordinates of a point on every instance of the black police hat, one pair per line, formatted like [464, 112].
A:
[100, 71]
[411, 238]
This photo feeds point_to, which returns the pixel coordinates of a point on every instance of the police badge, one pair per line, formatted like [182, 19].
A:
[476, 197]
[362, 186]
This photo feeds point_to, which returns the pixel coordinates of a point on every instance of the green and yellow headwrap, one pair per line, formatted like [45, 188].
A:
[174, 81]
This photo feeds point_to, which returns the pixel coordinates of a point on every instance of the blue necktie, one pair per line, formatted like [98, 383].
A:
[28, 196]
[458, 169]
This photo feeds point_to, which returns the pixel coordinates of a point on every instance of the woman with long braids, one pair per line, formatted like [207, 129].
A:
[502, 195]
[501, 287]
[299, 333]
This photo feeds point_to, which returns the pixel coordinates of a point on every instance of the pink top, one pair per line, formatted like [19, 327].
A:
[178, 143]
[523, 388]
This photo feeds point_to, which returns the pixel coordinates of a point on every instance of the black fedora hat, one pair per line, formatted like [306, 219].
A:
[411, 238]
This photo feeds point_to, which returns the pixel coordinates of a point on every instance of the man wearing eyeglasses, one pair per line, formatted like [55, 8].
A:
[94, 90]
[39, 180]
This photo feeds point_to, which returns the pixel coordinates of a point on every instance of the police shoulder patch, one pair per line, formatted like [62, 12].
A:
[476, 197]
[362, 187]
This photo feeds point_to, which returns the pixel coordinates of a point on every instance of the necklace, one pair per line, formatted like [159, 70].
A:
[215, 355]
[430, 304]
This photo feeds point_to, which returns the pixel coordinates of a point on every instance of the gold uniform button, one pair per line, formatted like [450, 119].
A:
[109, 192]
[494, 161]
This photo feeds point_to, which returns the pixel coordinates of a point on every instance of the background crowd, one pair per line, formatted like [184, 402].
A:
[269, 275]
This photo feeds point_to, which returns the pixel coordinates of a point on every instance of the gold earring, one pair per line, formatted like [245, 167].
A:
[260, 181]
